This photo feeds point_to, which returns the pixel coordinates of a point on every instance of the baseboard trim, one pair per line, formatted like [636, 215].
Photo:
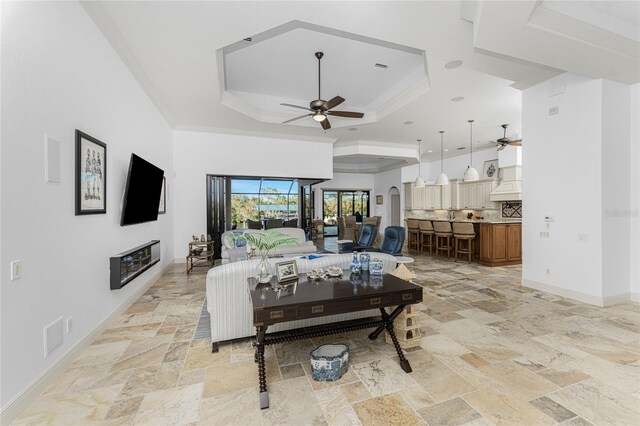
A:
[559, 291]
[616, 300]
[21, 401]
[582, 297]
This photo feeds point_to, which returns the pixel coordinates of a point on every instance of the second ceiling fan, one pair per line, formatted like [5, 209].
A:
[504, 140]
[321, 109]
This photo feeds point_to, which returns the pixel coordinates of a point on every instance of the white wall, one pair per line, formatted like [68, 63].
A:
[343, 181]
[576, 168]
[616, 187]
[634, 204]
[59, 74]
[562, 178]
[197, 154]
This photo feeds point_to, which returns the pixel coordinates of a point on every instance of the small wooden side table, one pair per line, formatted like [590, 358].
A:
[200, 255]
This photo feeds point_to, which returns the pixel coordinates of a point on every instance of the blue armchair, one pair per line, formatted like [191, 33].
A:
[392, 242]
[367, 237]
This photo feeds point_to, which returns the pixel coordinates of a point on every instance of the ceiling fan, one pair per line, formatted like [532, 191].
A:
[320, 108]
[504, 140]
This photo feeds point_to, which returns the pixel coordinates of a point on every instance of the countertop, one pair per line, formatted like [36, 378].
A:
[472, 220]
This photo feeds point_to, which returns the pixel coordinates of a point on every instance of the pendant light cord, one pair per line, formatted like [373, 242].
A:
[441, 151]
[419, 157]
[471, 141]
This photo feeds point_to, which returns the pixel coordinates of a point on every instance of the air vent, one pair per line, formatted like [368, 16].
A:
[379, 65]
[248, 39]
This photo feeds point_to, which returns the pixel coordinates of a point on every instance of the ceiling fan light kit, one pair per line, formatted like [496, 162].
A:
[419, 183]
[320, 108]
[471, 174]
[442, 179]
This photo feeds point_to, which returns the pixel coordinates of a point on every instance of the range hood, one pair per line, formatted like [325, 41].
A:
[510, 188]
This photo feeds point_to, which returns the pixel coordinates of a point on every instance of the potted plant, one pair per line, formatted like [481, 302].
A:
[264, 242]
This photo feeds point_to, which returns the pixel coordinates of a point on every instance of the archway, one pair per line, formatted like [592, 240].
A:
[394, 204]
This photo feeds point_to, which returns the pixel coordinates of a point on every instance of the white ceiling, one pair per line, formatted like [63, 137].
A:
[174, 49]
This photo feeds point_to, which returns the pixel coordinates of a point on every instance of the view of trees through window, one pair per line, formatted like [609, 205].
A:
[258, 199]
[344, 203]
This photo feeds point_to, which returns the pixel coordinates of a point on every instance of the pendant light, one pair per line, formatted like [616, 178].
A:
[471, 174]
[442, 178]
[419, 181]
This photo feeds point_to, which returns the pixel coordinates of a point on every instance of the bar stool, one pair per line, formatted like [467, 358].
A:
[427, 235]
[444, 236]
[414, 233]
[463, 232]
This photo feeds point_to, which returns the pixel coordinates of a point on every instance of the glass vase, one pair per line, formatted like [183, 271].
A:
[263, 275]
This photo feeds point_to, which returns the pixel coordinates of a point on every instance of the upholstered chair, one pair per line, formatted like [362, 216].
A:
[350, 228]
[392, 242]
[273, 223]
[341, 227]
[365, 242]
[254, 224]
[374, 220]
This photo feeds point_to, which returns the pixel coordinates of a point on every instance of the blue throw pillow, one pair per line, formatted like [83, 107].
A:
[240, 241]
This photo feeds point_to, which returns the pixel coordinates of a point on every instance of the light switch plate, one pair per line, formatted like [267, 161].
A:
[16, 269]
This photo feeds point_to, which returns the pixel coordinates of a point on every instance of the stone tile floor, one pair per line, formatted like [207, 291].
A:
[492, 353]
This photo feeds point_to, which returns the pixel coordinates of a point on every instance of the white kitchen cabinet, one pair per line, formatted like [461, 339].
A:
[408, 195]
[475, 195]
[417, 198]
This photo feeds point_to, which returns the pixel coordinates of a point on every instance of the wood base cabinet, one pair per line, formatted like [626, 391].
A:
[500, 244]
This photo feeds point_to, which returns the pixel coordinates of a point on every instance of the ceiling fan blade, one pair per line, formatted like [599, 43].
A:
[516, 142]
[349, 114]
[297, 118]
[332, 103]
[501, 147]
[297, 106]
[325, 124]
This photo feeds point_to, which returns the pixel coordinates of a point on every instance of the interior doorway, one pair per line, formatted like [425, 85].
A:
[394, 197]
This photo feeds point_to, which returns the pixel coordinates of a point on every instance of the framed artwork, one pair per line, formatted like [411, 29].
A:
[162, 209]
[490, 169]
[286, 271]
[91, 175]
[378, 199]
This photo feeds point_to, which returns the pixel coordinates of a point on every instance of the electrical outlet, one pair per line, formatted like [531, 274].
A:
[69, 325]
[16, 269]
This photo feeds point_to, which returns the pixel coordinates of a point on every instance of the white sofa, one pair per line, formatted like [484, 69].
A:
[229, 304]
[230, 253]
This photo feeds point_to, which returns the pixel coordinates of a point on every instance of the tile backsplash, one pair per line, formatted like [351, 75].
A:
[511, 210]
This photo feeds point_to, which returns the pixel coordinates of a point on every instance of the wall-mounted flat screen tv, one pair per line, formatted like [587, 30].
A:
[142, 192]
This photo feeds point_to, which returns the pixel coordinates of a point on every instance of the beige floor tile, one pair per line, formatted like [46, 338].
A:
[563, 378]
[285, 410]
[150, 379]
[436, 378]
[552, 409]
[500, 407]
[386, 410]
[335, 407]
[221, 379]
[132, 332]
[474, 360]
[200, 355]
[142, 353]
[449, 413]
[230, 409]
[383, 376]
[291, 371]
[355, 391]
[598, 403]
[417, 397]
[524, 383]
[170, 407]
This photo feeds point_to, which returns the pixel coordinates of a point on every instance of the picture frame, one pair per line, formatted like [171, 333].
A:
[288, 289]
[162, 208]
[379, 199]
[286, 271]
[490, 169]
[90, 175]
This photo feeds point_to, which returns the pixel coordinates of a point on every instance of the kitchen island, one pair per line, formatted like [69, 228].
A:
[498, 242]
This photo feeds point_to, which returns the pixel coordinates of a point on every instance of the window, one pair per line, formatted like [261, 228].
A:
[258, 199]
[344, 203]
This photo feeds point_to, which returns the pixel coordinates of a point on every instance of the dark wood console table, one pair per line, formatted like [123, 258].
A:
[309, 299]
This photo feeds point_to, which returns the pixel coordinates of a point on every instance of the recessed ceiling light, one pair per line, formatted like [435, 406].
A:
[462, 147]
[453, 64]
[379, 65]
[380, 158]
[408, 122]
[430, 150]
[446, 150]
[457, 99]
[353, 128]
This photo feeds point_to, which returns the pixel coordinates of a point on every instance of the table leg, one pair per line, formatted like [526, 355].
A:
[386, 317]
[388, 325]
[262, 372]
